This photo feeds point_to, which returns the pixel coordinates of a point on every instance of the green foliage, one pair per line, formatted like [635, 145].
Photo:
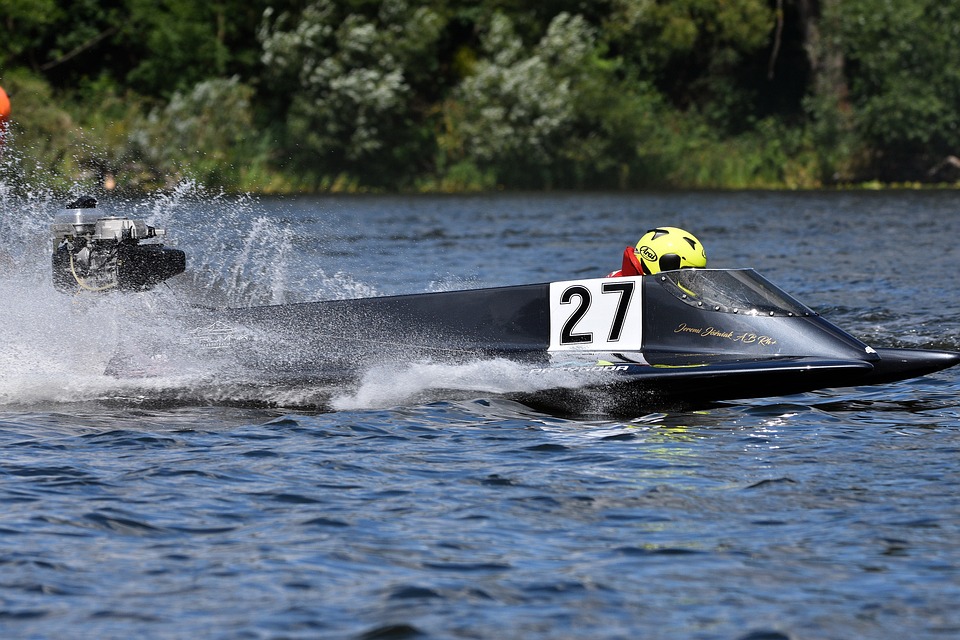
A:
[179, 41]
[354, 80]
[199, 134]
[694, 50]
[352, 95]
[769, 156]
[24, 24]
[557, 113]
[41, 132]
[518, 109]
[905, 80]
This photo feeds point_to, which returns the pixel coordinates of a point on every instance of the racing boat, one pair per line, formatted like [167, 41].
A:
[611, 345]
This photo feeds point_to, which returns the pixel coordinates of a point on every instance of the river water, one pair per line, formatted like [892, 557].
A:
[398, 514]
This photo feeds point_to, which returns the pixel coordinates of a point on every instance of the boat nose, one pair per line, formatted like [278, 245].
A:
[899, 364]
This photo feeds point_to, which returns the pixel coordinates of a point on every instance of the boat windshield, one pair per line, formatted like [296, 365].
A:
[740, 291]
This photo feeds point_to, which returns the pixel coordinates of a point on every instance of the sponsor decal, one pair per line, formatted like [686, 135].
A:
[733, 336]
[648, 254]
[596, 368]
[218, 335]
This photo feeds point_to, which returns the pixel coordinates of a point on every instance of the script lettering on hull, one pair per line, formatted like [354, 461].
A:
[733, 336]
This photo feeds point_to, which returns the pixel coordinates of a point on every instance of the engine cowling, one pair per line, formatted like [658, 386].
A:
[96, 252]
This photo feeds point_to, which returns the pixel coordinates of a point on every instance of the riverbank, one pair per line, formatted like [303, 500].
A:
[134, 145]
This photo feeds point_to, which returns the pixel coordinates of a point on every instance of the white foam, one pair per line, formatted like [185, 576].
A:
[56, 347]
[399, 383]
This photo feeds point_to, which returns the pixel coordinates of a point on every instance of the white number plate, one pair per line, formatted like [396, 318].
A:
[596, 315]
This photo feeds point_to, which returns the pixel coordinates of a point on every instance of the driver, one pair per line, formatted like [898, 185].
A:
[662, 249]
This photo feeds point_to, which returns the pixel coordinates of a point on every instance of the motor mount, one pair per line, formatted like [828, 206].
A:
[96, 252]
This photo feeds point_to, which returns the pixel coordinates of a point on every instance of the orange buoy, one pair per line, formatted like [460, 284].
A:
[4, 110]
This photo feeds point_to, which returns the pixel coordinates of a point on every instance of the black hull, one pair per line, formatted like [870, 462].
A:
[718, 383]
[902, 364]
[628, 344]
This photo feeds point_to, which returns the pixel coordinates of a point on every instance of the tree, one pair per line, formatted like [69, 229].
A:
[518, 107]
[195, 134]
[355, 78]
[25, 24]
[904, 81]
[705, 55]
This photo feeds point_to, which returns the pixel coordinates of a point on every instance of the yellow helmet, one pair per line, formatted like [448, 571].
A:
[669, 248]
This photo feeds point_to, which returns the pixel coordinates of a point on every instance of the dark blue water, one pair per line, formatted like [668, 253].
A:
[405, 514]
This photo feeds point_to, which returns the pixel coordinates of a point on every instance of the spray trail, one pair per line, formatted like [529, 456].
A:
[57, 347]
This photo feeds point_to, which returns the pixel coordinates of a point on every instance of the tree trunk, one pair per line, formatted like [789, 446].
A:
[818, 22]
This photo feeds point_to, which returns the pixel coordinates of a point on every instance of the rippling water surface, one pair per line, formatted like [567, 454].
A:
[408, 514]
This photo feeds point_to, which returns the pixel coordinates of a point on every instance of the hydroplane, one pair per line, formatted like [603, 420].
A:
[677, 339]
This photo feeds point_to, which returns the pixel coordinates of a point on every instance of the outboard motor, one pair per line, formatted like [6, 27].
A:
[94, 252]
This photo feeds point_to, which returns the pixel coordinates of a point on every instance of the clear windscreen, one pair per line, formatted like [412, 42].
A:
[740, 291]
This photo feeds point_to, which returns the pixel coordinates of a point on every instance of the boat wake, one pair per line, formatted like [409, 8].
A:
[389, 385]
[59, 349]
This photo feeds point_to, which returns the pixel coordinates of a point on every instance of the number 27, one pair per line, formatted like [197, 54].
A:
[567, 334]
